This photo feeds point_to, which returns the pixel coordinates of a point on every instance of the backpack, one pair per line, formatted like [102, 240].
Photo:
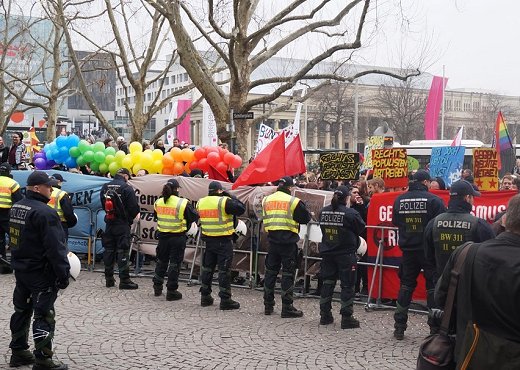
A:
[114, 207]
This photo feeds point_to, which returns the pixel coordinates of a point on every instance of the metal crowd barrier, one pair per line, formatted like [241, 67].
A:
[88, 238]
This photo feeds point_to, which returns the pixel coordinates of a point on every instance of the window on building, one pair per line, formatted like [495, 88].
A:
[173, 79]
[476, 106]
[457, 105]
[185, 77]
[467, 106]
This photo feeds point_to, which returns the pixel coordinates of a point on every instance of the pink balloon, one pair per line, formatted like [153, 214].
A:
[237, 161]
[221, 167]
[228, 158]
[213, 158]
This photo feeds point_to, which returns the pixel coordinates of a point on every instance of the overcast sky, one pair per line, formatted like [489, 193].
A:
[477, 41]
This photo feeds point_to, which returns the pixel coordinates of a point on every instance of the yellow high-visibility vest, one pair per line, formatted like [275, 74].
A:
[214, 220]
[7, 187]
[170, 214]
[54, 202]
[278, 210]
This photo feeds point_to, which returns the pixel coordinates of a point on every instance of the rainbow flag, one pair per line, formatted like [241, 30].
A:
[501, 139]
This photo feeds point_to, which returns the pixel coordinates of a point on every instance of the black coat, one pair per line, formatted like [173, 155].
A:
[128, 199]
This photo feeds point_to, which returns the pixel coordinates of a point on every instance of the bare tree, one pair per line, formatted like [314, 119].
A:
[403, 106]
[246, 37]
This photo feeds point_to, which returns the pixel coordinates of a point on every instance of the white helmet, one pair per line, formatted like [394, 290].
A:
[362, 249]
[75, 265]
[192, 232]
[241, 228]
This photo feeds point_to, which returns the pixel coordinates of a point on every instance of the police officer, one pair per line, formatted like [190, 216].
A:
[341, 228]
[174, 217]
[457, 226]
[217, 211]
[411, 213]
[41, 268]
[62, 204]
[282, 214]
[120, 204]
[9, 194]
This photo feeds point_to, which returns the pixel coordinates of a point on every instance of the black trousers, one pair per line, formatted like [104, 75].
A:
[4, 231]
[343, 267]
[280, 256]
[219, 253]
[170, 254]
[34, 292]
[116, 241]
[411, 265]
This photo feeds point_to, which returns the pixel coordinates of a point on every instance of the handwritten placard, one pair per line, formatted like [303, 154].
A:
[339, 166]
[391, 165]
[485, 168]
[374, 142]
[446, 162]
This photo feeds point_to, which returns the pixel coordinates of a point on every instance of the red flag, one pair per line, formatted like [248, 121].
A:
[295, 160]
[269, 165]
[215, 174]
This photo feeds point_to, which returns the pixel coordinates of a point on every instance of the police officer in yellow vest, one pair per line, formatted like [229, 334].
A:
[61, 203]
[282, 214]
[174, 217]
[9, 194]
[217, 212]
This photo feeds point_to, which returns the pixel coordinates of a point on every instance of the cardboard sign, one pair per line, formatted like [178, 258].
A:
[446, 162]
[374, 142]
[485, 168]
[339, 166]
[314, 201]
[391, 165]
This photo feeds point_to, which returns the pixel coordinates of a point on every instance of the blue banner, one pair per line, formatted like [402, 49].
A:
[446, 162]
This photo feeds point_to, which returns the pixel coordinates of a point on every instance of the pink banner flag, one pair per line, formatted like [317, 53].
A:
[183, 129]
[433, 107]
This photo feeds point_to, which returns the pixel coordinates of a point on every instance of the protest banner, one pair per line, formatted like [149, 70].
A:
[391, 165]
[485, 168]
[374, 142]
[380, 213]
[339, 166]
[446, 162]
[265, 135]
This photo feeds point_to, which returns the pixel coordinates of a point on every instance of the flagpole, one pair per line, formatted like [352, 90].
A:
[442, 105]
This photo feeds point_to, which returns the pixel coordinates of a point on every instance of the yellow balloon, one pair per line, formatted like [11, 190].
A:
[136, 168]
[157, 166]
[157, 154]
[135, 147]
[127, 162]
[146, 160]
[176, 154]
[119, 156]
[136, 157]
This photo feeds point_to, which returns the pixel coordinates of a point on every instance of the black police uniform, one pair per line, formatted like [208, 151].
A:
[116, 238]
[39, 259]
[170, 254]
[447, 231]
[411, 213]
[341, 229]
[283, 253]
[16, 196]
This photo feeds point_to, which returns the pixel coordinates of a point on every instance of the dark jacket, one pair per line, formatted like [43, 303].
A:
[301, 215]
[480, 232]
[129, 208]
[37, 239]
[495, 288]
[411, 213]
[341, 229]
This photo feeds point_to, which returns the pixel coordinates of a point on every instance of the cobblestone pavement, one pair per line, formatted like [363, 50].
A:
[105, 328]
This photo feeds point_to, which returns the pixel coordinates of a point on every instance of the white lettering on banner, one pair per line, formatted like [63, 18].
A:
[391, 241]
[209, 126]
[385, 213]
[488, 213]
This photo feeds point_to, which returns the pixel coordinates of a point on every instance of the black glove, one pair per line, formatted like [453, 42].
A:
[62, 283]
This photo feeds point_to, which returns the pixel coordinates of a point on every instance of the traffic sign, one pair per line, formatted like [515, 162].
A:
[247, 115]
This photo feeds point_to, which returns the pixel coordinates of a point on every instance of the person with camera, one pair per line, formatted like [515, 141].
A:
[174, 217]
[121, 208]
[41, 268]
[217, 212]
[282, 216]
[341, 228]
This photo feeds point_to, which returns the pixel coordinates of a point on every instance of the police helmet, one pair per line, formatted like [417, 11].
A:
[75, 265]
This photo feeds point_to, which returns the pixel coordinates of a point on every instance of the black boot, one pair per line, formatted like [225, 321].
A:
[290, 311]
[128, 285]
[21, 357]
[326, 318]
[349, 322]
[110, 282]
[229, 304]
[268, 309]
[399, 332]
[49, 363]
[157, 290]
[206, 300]
[173, 295]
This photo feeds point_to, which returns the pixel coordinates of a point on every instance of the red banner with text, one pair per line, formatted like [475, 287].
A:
[380, 215]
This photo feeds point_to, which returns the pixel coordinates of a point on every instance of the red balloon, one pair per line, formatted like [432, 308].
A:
[221, 167]
[17, 117]
[228, 158]
[199, 153]
[212, 149]
[194, 164]
[237, 162]
[213, 158]
[203, 164]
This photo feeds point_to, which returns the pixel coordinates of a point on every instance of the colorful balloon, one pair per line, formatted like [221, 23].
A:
[199, 153]
[88, 156]
[83, 146]
[135, 147]
[228, 158]
[74, 152]
[213, 158]
[237, 162]
[111, 151]
[176, 154]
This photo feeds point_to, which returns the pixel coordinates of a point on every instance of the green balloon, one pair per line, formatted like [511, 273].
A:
[113, 167]
[103, 168]
[88, 156]
[109, 158]
[98, 146]
[74, 152]
[94, 166]
[110, 150]
[99, 157]
[80, 161]
[120, 155]
[413, 163]
[83, 146]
